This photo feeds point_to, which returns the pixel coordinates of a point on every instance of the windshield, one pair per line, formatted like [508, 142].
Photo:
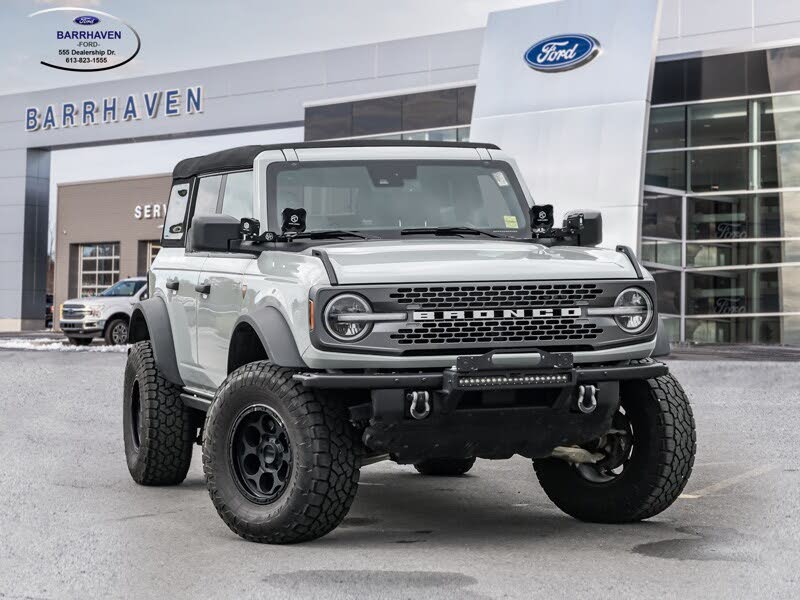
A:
[124, 288]
[386, 197]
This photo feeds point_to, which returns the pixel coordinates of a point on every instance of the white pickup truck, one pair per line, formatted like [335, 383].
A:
[106, 315]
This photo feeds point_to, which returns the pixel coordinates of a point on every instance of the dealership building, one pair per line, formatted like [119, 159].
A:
[684, 131]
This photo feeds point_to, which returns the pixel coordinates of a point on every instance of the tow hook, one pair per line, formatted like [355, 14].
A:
[587, 398]
[420, 404]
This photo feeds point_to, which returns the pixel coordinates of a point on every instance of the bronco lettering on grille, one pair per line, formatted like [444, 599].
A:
[509, 313]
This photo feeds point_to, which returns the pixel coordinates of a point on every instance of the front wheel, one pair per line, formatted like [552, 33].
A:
[117, 332]
[281, 463]
[648, 457]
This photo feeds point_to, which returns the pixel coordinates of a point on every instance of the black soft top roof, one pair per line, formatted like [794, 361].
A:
[243, 156]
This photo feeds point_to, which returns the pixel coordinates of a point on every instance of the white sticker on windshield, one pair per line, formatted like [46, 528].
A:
[500, 178]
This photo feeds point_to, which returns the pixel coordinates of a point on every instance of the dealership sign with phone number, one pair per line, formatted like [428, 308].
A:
[83, 39]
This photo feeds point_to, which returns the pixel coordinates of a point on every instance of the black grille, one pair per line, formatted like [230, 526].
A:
[482, 331]
[476, 297]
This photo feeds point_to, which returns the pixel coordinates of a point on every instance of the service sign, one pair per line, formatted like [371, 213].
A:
[82, 39]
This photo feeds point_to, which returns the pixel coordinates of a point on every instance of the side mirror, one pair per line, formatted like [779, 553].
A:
[591, 234]
[214, 233]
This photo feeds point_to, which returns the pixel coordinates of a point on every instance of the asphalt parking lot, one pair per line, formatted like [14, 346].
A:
[73, 524]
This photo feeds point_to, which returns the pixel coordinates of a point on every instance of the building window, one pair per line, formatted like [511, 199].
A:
[718, 123]
[146, 254]
[667, 128]
[395, 117]
[152, 252]
[98, 267]
[666, 170]
[760, 72]
[376, 116]
[721, 210]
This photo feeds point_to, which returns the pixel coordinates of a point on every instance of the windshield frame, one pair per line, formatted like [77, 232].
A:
[522, 233]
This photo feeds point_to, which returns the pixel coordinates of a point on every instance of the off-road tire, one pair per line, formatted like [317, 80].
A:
[444, 467]
[158, 446]
[326, 454]
[79, 341]
[657, 471]
[111, 332]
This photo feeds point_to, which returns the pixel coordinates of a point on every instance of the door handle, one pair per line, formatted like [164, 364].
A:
[203, 288]
[172, 284]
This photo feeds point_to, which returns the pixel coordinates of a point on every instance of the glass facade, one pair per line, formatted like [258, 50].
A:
[442, 115]
[721, 210]
[99, 267]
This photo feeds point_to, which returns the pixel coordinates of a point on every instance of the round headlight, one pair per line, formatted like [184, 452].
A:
[341, 317]
[636, 310]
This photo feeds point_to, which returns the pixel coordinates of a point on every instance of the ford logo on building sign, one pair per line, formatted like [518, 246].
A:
[86, 20]
[562, 52]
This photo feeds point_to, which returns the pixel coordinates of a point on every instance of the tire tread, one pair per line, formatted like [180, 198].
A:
[336, 458]
[168, 435]
[663, 480]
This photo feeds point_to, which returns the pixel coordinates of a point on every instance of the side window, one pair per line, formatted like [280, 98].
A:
[205, 203]
[237, 200]
[176, 212]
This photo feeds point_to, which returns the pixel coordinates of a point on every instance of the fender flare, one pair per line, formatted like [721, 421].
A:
[276, 336]
[662, 340]
[150, 321]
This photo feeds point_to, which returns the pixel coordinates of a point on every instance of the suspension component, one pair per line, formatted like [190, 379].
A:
[576, 455]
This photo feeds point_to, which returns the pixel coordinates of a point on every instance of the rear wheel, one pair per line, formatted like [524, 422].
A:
[445, 467]
[79, 341]
[158, 429]
[281, 463]
[647, 458]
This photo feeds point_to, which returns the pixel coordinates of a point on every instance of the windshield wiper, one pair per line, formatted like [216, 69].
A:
[331, 233]
[448, 231]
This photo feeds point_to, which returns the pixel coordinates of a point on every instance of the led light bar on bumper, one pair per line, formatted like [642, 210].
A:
[512, 380]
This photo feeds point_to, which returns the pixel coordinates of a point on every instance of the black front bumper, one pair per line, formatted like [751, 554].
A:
[485, 407]
[435, 381]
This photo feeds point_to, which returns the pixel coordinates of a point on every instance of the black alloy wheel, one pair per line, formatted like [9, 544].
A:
[260, 454]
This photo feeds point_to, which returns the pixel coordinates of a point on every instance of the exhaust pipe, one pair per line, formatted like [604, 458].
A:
[587, 398]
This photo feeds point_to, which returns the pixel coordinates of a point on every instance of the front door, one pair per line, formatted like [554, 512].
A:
[219, 305]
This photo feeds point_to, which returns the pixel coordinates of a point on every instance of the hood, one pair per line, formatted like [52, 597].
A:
[437, 260]
[97, 299]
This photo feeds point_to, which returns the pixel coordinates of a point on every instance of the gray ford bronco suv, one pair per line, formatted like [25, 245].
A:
[317, 307]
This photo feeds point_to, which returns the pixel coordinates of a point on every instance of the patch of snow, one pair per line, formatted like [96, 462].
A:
[51, 345]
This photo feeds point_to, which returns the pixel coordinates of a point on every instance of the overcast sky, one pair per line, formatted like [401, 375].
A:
[185, 34]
